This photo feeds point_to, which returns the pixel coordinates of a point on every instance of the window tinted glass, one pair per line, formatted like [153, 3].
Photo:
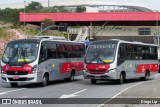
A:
[65, 50]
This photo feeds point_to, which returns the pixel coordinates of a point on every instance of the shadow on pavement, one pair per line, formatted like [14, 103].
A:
[37, 85]
[99, 82]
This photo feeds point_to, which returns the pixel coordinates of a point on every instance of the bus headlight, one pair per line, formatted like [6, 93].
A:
[34, 70]
[3, 72]
[112, 70]
[85, 70]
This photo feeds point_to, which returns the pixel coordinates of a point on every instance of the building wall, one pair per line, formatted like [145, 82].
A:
[145, 39]
[119, 30]
[126, 30]
[129, 33]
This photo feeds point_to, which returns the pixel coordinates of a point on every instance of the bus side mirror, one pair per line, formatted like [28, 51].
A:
[118, 56]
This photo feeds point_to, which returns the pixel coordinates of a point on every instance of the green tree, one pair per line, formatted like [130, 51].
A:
[61, 9]
[34, 6]
[48, 21]
[49, 10]
[55, 9]
[80, 9]
[10, 15]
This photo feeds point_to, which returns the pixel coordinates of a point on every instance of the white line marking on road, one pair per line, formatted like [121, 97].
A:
[101, 105]
[23, 97]
[126, 89]
[6, 92]
[130, 87]
[80, 91]
[73, 95]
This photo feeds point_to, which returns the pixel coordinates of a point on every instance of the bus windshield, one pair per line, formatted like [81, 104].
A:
[103, 52]
[18, 54]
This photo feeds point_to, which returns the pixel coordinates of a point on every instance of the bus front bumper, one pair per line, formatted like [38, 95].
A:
[111, 75]
[29, 78]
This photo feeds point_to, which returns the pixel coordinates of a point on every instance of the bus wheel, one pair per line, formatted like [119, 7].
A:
[121, 78]
[45, 80]
[93, 81]
[145, 78]
[71, 78]
[13, 84]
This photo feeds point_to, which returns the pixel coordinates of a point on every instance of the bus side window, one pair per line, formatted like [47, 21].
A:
[121, 54]
[129, 49]
[43, 54]
[146, 52]
[153, 53]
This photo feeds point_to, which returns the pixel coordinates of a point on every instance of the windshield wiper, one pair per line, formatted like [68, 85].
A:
[101, 60]
[13, 56]
[97, 58]
[23, 56]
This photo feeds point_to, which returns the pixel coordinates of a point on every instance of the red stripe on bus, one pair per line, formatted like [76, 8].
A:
[97, 68]
[8, 68]
[68, 66]
[141, 68]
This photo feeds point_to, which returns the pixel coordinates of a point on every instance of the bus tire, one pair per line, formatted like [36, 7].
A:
[93, 81]
[121, 78]
[147, 74]
[71, 78]
[14, 84]
[45, 80]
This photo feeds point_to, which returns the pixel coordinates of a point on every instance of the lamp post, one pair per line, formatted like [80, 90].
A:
[42, 26]
[157, 30]
[24, 17]
[48, 3]
[24, 13]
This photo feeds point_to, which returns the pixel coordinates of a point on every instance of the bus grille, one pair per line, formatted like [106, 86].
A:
[17, 72]
[20, 79]
[97, 71]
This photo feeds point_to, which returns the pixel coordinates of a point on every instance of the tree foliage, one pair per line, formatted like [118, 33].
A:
[12, 15]
[48, 21]
[34, 6]
[49, 10]
[80, 9]
[61, 9]
[55, 9]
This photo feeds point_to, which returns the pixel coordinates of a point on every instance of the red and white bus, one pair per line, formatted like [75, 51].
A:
[41, 59]
[120, 60]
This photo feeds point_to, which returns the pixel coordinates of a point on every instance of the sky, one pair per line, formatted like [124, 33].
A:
[152, 4]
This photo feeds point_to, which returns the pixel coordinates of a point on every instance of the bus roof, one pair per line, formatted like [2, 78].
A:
[25, 40]
[61, 41]
[38, 40]
[123, 41]
[50, 37]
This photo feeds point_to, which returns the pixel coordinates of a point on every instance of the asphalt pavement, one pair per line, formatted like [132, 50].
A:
[81, 88]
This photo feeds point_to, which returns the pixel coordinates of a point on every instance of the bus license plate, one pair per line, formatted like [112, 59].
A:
[15, 77]
[97, 77]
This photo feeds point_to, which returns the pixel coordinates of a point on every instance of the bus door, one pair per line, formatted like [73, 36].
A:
[123, 63]
[43, 65]
[131, 64]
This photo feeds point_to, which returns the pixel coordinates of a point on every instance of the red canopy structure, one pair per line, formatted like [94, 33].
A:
[84, 19]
